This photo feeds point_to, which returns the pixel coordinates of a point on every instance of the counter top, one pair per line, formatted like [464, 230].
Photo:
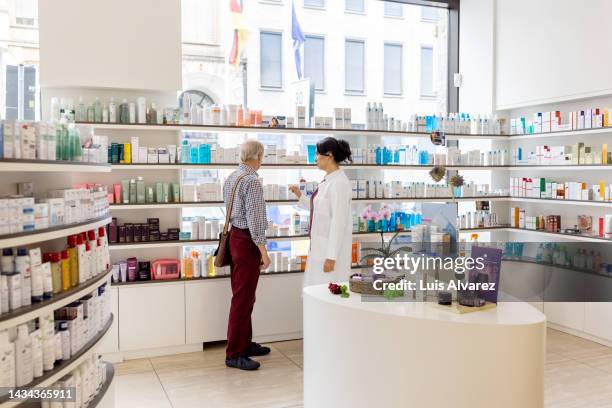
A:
[506, 313]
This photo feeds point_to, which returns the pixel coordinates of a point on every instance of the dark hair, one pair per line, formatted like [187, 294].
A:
[339, 149]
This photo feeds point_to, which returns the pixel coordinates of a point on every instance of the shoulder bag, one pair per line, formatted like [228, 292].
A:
[223, 257]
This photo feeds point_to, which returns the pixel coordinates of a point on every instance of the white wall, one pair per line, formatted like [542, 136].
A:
[476, 57]
[132, 44]
[552, 50]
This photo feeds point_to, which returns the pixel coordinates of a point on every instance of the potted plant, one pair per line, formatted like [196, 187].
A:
[385, 250]
[455, 182]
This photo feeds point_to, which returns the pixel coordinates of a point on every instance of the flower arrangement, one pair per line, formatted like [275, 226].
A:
[456, 181]
[385, 250]
[437, 173]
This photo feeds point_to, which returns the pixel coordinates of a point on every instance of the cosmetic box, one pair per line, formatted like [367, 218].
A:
[165, 269]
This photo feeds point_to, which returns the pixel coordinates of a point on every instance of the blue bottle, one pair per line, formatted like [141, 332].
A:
[193, 154]
[379, 154]
[202, 154]
[184, 151]
[386, 155]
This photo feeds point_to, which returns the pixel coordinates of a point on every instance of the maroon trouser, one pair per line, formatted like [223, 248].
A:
[246, 260]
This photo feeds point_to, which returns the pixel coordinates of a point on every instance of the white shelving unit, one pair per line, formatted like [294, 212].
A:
[19, 165]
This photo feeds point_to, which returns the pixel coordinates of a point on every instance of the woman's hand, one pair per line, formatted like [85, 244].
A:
[295, 190]
[329, 265]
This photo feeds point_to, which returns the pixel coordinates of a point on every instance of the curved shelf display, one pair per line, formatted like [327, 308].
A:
[292, 166]
[572, 237]
[159, 206]
[110, 375]
[27, 313]
[576, 132]
[170, 244]
[30, 166]
[254, 129]
[47, 234]
[64, 367]
[201, 278]
[585, 203]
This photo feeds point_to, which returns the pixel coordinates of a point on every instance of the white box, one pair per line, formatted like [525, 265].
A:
[347, 118]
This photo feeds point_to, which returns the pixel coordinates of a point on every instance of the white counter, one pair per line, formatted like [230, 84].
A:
[387, 354]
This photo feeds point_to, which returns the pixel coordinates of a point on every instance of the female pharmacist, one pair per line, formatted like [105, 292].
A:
[329, 257]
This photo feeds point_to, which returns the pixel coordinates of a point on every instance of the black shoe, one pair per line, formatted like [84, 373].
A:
[242, 363]
[256, 350]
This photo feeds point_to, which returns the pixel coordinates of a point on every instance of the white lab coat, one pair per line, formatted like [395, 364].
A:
[332, 228]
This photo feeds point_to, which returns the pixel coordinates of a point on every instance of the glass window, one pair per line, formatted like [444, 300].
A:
[394, 9]
[199, 21]
[354, 66]
[314, 3]
[429, 14]
[20, 92]
[270, 68]
[26, 12]
[355, 5]
[393, 69]
[427, 88]
[314, 61]
[12, 92]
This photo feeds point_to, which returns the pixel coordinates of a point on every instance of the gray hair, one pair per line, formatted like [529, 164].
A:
[251, 150]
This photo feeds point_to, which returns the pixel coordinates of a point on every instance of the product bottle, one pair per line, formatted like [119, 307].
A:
[56, 272]
[239, 117]
[152, 117]
[91, 270]
[124, 112]
[91, 115]
[24, 373]
[65, 267]
[112, 111]
[73, 260]
[142, 110]
[132, 112]
[83, 262]
[7, 262]
[4, 294]
[37, 283]
[37, 353]
[105, 114]
[105, 251]
[81, 112]
[7, 361]
[66, 345]
[22, 266]
[100, 257]
[97, 110]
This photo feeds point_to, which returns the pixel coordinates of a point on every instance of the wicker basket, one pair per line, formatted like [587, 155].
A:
[367, 287]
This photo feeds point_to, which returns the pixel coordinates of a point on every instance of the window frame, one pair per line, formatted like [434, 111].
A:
[433, 94]
[314, 7]
[282, 77]
[324, 58]
[12, 9]
[401, 71]
[352, 11]
[400, 17]
[363, 92]
[426, 19]
[452, 92]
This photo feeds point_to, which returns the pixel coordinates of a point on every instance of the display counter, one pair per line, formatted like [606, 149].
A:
[399, 354]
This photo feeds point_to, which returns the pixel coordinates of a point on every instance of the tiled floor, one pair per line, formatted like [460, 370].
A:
[578, 375]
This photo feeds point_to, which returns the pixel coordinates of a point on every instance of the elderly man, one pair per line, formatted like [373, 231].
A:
[247, 244]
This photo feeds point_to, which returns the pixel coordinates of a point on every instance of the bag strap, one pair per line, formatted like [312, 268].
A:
[230, 204]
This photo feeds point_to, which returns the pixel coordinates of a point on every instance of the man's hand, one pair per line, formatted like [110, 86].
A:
[329, 265]
[265, 262]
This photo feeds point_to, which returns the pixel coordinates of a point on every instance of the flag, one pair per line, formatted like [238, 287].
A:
[298, 40]
[240, 33]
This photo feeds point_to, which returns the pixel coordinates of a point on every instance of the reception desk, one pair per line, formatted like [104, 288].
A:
[400, 354]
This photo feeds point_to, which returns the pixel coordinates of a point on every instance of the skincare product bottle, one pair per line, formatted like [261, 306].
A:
[152, 116]
[65, 268]
[22, 266]
[14, 289]
[4, 294]
[97, 110]
[37, 353]
[24, 373]
[112, 111]
[132, 112]
[73, 260]
[7, 361]
[65, 336]
[142, 110]
[8, 261]
[81, 111]
[47, 279]
[105, 251]
[133, 192]
[124, 112]
[56, 272]
[83, 262]
[91, 258]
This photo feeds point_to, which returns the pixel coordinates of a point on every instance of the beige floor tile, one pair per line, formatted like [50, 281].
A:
[575, 347]
[140, 390]
[278, 383]
[289, 346]
[571, 384]
[603, 363]
[141, 365]
[552, 358]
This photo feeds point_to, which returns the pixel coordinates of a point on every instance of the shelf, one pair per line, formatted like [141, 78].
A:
[110, 375]
[30, 166]
[158, 206]
[172, 244]
[203, 278]
[252, 129]
[293, 166]
[482, 229]
[64, 367]
[550, 265]
[47, 234]
[582, 203]
[27, 313]
[581, 238]
[577, 132]
[572, 167]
